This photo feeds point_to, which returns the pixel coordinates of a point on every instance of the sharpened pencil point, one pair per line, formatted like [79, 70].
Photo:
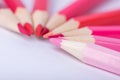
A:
[38, 30]
[44, 31]
[29, 28]
[47, 35]
[56, 41]
[22, 30]
[55, 36]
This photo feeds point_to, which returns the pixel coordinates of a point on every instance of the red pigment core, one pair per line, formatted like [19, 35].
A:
[29, 28]
[22, 30]
[39, 30]
[57, 35]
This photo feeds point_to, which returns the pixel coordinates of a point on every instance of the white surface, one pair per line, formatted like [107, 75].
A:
[23, 58]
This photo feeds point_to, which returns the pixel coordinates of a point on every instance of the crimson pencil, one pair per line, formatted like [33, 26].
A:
[22, 14]
[40, 15]
[94, 38]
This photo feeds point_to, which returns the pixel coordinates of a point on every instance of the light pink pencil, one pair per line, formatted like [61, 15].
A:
[92, 54]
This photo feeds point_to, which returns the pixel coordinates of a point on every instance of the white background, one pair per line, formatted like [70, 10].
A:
[28, 58]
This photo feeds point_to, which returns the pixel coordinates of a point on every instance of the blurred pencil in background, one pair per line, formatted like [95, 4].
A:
[21, 13]
[95, 55]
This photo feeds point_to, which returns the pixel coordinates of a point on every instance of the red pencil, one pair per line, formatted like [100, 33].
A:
[20, 11]
[106, 18]
[10, 22]
[92, 30]
[40, 15]
[77, 8]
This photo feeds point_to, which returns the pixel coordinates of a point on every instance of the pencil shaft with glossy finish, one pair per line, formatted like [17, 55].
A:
[21, 13]
[78, 8]
[40, 5]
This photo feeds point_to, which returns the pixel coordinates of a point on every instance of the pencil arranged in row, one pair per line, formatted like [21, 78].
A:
[106, 18]
[40, 15]
[92, 54]
[10, 22]
[91, 38]
[115, 43]
[78, 7]
[94, 38]
[91, 30]
[21, 13]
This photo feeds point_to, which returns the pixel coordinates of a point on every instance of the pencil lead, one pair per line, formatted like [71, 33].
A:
[44, 31]
[23, 30]
[55, 36]
[29, 28]
[38, 30]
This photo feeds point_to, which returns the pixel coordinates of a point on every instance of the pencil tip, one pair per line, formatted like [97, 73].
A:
[29, 28]
[38, 30]
[56, 41]
[47, 35]
[44, 31]
[22, 30]
[55, 36]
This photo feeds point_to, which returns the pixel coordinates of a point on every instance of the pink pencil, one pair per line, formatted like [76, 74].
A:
[94, 39]
[76, 8]
[92, 54]
[40, 15]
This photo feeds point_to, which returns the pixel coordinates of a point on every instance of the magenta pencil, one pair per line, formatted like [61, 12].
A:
[93, 30]
[21, 13]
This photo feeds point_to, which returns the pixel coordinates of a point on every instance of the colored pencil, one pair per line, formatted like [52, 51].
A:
[76, 32]
[10, 22]
[106, 18]
[93, 30]
[93, 39]
[115, 43]
[22, 14]
[76, 8]
[40, 15]
[95, 55]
